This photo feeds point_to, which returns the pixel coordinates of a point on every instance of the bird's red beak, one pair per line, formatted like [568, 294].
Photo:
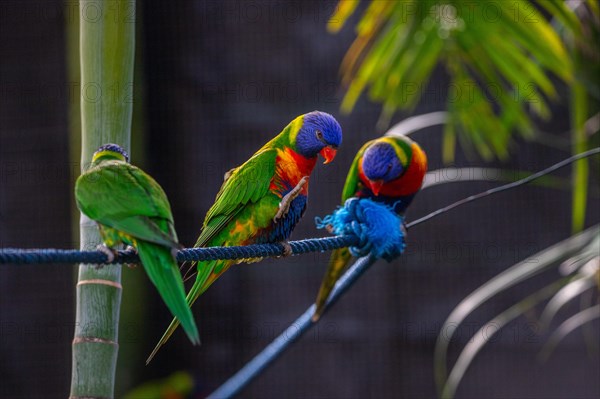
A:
[328, 153]
[376, 186]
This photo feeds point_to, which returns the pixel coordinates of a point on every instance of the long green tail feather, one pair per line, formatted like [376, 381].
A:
[337, 263]
[170, 330]
[200, 285]
[162, 270]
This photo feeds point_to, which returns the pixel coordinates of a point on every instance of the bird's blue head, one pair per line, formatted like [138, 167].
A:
[110, 151]
[381, 164]
[318, 133]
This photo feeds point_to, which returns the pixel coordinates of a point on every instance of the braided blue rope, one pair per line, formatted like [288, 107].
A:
[26, 256]
[21, 256]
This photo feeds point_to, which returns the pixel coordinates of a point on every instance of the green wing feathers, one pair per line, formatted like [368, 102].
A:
[247, 183]
[125, 198]
[114, 191]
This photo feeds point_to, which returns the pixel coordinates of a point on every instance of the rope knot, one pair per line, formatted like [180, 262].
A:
[379, 229]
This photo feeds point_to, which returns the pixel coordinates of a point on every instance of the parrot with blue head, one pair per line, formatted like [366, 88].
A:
[262, 200]
[131, 208]
[388, 170]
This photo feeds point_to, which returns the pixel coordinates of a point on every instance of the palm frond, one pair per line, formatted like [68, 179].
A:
[486, 333]
[572, 290]
[501, 72]
[577, 320]
[522, 271]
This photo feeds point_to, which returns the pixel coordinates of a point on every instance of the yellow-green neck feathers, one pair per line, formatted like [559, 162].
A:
[106, 155]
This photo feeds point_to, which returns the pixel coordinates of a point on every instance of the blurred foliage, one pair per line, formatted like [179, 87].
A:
[503, 58]
[178, 385]
[577, 261]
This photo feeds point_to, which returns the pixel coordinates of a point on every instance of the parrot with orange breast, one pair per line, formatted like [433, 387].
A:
[387, 170]
[262, 200]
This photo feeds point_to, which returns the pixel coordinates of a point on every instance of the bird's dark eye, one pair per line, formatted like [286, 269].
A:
[319, 134]
[389, 167]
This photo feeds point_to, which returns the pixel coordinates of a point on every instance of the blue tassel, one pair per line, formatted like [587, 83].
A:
[380, 230]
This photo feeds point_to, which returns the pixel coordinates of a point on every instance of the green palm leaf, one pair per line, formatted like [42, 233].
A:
[506, 63]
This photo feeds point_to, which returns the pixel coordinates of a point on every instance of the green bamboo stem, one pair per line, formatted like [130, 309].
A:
[579, 111]
[107, 43]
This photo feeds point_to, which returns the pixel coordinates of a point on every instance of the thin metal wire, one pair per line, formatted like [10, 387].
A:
[508, 186]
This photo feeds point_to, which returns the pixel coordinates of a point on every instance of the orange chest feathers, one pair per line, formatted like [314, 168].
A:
[290, 167]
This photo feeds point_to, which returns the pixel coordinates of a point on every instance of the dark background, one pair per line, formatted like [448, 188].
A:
[214, 81]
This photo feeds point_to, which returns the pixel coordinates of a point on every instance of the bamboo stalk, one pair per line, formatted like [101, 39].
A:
[107, 43]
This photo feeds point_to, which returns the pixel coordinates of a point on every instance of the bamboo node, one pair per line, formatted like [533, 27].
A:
[94, 340]
[101, 282]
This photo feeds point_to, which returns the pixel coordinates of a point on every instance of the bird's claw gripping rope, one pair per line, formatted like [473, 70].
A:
[284, 205]
[131, 250]
[115, 256]
[287, 249]
[111, 254]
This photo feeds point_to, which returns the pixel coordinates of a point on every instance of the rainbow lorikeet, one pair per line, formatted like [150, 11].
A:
[389, 170]
[131, 208]
[262, 200]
